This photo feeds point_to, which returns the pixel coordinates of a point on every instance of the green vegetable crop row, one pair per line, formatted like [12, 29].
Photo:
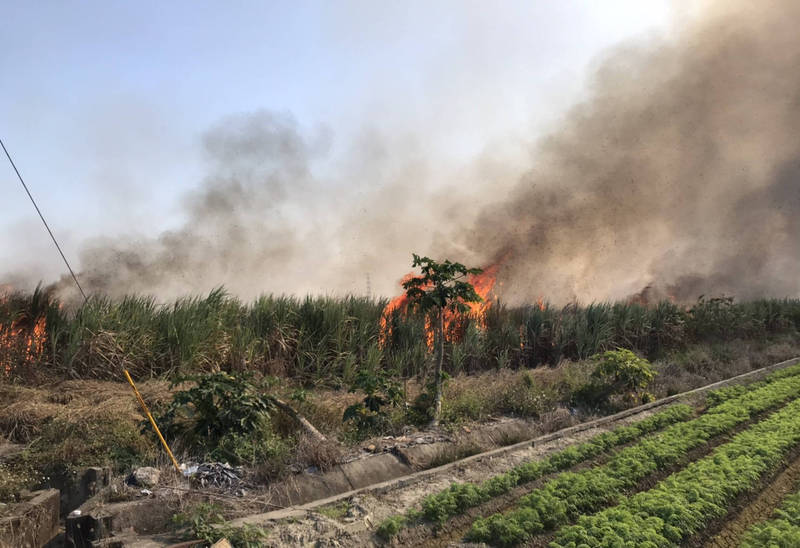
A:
[459, 497]
[783, 530]
[570, 495]
[715, 397]
[684, 503]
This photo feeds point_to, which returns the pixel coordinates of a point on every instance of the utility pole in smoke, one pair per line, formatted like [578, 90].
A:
[369, 286]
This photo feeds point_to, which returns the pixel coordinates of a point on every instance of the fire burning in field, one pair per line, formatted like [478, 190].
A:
[483, 283]
[21, 340]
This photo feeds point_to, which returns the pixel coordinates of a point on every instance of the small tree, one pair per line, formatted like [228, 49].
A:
[440, 287]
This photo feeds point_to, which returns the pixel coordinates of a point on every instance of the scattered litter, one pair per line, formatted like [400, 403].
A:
[214, 474]
[188, 469]
[75, 513]
[145, 492]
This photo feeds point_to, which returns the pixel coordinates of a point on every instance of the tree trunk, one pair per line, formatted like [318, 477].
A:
[437, 374]
[301, 420]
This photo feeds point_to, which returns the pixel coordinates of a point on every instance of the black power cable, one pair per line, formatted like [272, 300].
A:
[66, 262]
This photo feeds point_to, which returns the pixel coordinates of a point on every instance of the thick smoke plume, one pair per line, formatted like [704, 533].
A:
[680, 170]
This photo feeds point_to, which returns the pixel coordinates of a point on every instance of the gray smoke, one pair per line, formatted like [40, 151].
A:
[237, 229]
[680, 171]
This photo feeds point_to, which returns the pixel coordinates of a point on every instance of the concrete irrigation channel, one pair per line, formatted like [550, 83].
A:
[343, 506]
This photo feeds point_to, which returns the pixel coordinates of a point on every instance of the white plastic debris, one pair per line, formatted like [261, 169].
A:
[188, 469]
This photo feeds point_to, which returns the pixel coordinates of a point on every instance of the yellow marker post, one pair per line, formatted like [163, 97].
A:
[152, 420]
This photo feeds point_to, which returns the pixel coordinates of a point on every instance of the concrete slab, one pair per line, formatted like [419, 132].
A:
[32, 522]
[80, 487]
[103, 521]
[306, 487]
[421, 456]
[375, 469]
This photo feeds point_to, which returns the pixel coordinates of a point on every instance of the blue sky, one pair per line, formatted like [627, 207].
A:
[104, 103]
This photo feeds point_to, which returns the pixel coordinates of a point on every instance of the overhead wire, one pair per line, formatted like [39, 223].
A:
[39, 211]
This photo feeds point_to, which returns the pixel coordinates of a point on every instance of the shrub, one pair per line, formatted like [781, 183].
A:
[617, 373]
[370, 416]
[223, 417]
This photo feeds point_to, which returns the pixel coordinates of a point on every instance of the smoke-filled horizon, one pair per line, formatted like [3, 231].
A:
[679, 171]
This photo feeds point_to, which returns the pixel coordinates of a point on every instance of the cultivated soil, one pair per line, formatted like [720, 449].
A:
[752, 508]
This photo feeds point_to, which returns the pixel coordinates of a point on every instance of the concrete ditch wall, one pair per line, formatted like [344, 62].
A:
[398, 462]
[79, 486]
[33, 522]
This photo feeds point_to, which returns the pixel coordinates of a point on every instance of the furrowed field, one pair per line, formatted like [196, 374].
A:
[682, 477]
[718, 469]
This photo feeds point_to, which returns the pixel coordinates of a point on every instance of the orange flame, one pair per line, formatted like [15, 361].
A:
[483, 283]
[397, 303]
[19, 339]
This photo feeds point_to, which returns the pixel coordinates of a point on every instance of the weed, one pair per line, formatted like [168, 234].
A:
[14, 479]
[389, 527]
[335, 511]
[206, 522]
[452, 453]
[312, 452]
[369, 416]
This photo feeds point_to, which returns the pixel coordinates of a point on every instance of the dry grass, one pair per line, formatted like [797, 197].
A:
[324, 409]
[703, 364]
[323, 455]
[75, 402]
[77, 423]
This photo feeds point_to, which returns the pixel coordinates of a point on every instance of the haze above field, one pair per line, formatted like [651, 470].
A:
[176, 147]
